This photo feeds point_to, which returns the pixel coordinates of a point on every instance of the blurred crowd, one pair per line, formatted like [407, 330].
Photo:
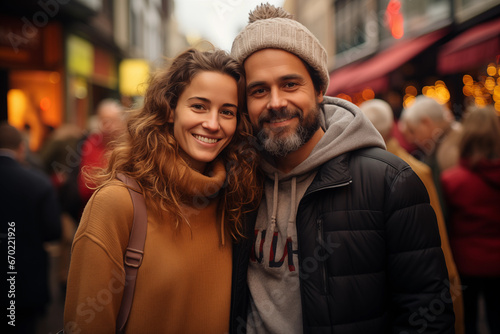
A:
[44, 194]
[458, 160]
[459, 164]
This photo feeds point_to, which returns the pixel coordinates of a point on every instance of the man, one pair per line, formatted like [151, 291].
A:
[344, 240]
[432, 128]
[29, 217]
[381, 115]
[110, 124]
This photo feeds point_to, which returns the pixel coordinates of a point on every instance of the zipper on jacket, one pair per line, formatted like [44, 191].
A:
[319, 225]
[329, 187]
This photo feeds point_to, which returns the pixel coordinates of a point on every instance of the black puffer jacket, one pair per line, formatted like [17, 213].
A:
[369, 252]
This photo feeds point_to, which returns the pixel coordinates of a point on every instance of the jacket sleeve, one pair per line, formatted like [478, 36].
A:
[96, 275]
[417, 271]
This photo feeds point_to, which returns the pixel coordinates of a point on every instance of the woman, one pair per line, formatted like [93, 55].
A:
[187, 148]
[472, 193]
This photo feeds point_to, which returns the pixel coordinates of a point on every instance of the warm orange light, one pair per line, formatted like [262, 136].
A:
[425, 90]
[496, 93]
[491, 69]
[440, 83]
[477, 90]
[411, 90]
[408, 101]
[480, 102]
[438, 92]
[17, 105]
[45, 104]
[467, 79]
[345, 97]
[489, 83]
[486, 90]
[467, 90]
[442, 94]
[54, 77]
[368, 94]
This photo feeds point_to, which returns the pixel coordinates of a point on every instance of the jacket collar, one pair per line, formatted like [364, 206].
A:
[7, 153]
[333, 173]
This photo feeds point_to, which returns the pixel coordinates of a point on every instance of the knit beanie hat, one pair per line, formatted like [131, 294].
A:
[270, 27]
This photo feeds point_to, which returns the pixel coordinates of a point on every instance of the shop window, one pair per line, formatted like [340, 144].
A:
[34, 103]
[356, 30]
[351, 24]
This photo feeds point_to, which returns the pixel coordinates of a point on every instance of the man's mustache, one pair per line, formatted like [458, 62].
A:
[272, 114]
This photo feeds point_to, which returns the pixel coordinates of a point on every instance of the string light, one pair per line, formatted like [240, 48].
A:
[438, 92]
[483, 92]
[486, 90]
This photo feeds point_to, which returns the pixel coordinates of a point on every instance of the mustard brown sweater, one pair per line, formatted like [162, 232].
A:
[184, 283]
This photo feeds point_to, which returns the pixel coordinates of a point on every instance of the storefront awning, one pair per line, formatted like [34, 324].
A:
[475, 46]
[372, 73]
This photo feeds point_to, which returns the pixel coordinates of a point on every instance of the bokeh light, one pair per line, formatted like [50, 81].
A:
[438, 92]
[486, 90]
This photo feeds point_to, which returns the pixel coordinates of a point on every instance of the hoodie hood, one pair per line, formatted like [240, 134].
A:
[346, 129]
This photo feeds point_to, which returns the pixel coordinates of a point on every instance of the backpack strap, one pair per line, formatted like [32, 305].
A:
[135, 250]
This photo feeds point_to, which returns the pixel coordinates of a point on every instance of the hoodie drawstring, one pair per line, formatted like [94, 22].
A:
[291, 218]
[275, 203]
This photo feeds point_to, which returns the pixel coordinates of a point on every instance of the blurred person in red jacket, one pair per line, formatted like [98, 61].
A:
[110, 124]
[472, 193]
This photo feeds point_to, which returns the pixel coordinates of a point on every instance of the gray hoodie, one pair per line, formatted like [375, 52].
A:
[273, 273]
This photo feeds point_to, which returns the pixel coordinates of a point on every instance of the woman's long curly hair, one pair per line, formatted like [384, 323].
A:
[149, 153]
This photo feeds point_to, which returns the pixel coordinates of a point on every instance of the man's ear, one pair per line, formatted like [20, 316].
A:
[319, 97]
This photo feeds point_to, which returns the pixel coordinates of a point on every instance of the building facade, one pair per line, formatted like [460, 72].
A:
[397, 49]
[60, 58]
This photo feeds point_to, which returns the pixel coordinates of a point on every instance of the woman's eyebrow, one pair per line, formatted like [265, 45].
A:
[199, 98]
[204, 99]
[230, 105]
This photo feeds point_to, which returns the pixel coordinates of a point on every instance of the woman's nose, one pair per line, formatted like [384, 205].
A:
[211, 122]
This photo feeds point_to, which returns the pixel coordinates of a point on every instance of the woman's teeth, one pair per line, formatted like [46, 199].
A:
[206, 140]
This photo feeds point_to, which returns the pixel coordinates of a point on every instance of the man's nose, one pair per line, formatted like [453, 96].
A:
[276, 100]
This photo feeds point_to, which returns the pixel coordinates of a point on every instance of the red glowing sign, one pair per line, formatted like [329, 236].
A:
[394, 18]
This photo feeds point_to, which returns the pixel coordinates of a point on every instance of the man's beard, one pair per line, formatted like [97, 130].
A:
[276, 142]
